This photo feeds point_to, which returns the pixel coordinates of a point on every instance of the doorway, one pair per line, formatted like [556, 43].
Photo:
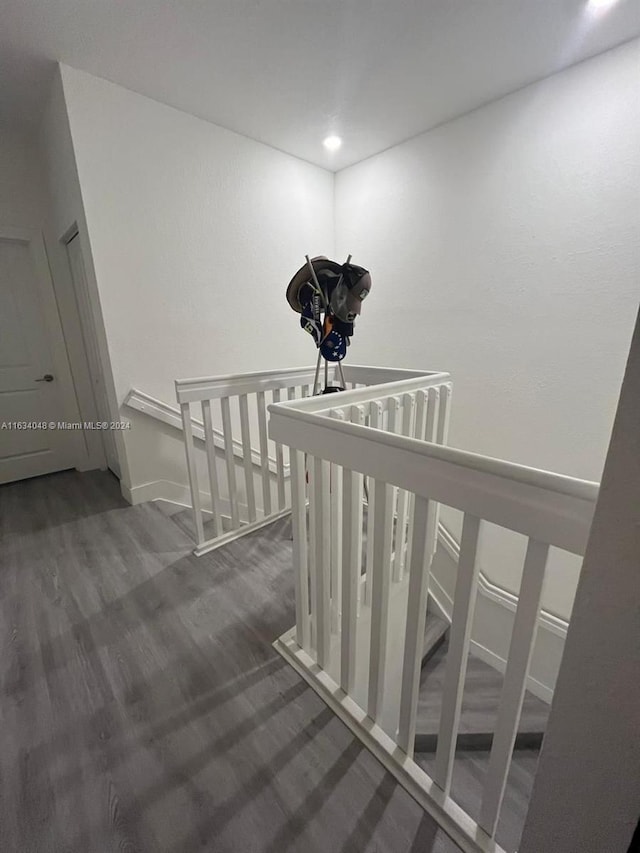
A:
[36, 389]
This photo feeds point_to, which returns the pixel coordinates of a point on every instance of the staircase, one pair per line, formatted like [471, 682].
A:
[480, 703]
[481, 694]
[364, 474]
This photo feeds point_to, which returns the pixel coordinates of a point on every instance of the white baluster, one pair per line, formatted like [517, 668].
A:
[515, 680]
[375, 422]
[359, 416]
[279, 460]
[406, 427]
[322, 559]
[246, 456]
[419, 424]
[336, 536]
[300, 546]
[394, 424]
[211, 462]
[185, 411]
[419, 427]
[264, 454]
[381, 578]
[313, 551]
[351, 565]
[416, 617]
[435, 422]
[433, 415]
[444, 414]
[231, 468]
[456, 670]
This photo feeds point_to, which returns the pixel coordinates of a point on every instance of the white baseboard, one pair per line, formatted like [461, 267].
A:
[170, 508]
[176, 497]
[163, 490]
[441, 596]
[533, 685]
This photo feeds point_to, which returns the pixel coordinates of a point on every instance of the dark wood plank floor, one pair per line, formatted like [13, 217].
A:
[142, 707]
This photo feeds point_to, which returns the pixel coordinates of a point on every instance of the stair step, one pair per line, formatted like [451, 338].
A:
[184, 520]
[478, 741]
[435, 633]
[480, 702]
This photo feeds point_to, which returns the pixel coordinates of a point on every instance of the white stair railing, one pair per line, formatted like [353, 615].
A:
[360, 618]
[235, 407]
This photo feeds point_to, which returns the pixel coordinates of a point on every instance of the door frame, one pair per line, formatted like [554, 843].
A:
[86, 365]
[84, 327]
[34, 241]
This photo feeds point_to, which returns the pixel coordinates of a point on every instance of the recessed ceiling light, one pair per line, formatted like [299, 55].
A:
[332, 143]
[600, 5]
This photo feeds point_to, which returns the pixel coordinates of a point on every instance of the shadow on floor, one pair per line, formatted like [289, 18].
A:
[144, 708]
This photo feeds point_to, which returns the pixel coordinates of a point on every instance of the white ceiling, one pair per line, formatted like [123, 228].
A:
[289, 72]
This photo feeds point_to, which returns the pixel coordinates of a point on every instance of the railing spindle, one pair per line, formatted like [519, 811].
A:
[335, 480]
[515, 681]
[456, 668]
[264, 454]
[383, 525]
[394, 424]
[279, 460]
[312, 552]
[185, 412]
[211, 463]
[444, 414]
[419, 427]
[300, 547]
[359, 416]
[231, 468]
[351, 565]
[421, 415]
[402, 503]
[375, 422]
[436, 430]
[416, 618]
[245, 433]
[322, 559]
[433, 415]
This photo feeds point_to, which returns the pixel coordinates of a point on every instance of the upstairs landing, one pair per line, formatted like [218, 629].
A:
[144, 708]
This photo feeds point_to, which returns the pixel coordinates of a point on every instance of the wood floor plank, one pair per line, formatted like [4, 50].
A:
[143, 708]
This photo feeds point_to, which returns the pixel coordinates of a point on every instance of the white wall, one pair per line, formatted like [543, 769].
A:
[587, 786]
[504, 247]
[195, 232]
[21, 199]
[65, 213]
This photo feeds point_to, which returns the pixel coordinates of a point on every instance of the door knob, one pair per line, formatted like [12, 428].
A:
[46, 378]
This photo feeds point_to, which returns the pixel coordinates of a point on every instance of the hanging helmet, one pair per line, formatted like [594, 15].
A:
[338, 290]
[302, 287]
[350, 291]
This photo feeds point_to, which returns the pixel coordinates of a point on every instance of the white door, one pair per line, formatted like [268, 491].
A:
[31, 394]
